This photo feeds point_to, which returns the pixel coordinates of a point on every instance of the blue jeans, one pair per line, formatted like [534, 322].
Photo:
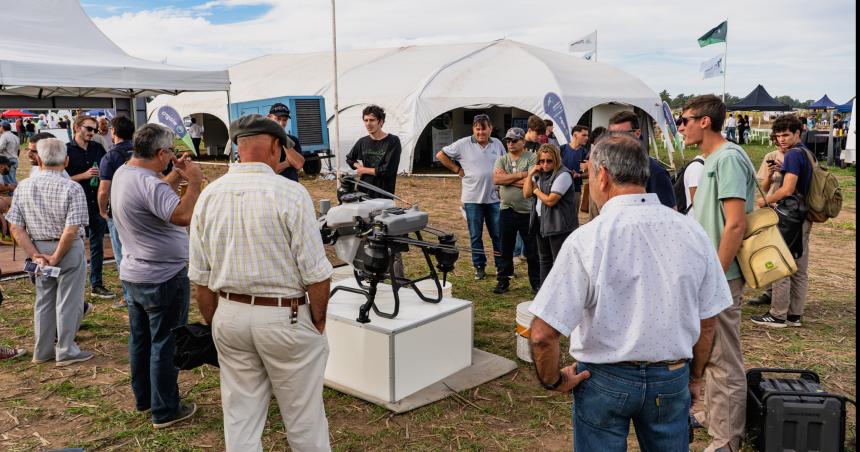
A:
[117, 251]
[476, 216]
[730, 133]
[518, 248]
[96, 236]
[655, 398]
[154, 310]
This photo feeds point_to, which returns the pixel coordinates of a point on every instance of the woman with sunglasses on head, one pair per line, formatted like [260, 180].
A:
[554, 215]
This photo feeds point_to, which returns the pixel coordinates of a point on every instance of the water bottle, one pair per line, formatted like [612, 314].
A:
[94, 181]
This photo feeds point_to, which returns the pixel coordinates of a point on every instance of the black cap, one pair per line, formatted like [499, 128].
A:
[279, 109]
[250, 125]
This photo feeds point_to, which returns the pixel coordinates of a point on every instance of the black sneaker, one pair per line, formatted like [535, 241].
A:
[793, 320]
[503, 286]
[763, 299]
[186, 410]
[768, 320]
[480, 273]
[88, 308]
[101, 292]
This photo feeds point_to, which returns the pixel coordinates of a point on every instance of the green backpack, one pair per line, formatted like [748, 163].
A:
[825, 196]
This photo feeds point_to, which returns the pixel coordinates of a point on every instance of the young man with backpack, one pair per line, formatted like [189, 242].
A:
[726, 193]
[789, 294]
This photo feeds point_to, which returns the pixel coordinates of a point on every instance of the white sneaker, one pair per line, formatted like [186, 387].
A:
[80, 357]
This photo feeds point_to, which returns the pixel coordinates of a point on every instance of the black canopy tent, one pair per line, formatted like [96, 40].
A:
[758, 100]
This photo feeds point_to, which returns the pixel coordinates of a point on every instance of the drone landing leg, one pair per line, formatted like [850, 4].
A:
[364, 310]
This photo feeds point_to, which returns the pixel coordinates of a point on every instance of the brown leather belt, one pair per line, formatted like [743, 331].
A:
[283, 302]
[676, 364]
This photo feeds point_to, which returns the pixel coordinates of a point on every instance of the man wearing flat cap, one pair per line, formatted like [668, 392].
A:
[262, 278]
[291, 160]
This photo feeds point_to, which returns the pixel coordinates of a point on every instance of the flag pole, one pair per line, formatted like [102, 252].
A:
[336, 100]
[725, 59]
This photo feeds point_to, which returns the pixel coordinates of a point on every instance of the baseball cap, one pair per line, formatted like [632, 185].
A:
[515, 133]
[250, 125]
[279, 109]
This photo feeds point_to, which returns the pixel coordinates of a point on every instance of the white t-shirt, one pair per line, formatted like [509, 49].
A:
[560, 186]
[633, 284]
[691, 179]
[195, 131]
[731, 122]
[478, 163]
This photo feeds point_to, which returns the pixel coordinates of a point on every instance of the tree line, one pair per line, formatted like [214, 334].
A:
[679, 100]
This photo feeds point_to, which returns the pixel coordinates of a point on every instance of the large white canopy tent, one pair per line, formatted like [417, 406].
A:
[52, 55]
[415, 84]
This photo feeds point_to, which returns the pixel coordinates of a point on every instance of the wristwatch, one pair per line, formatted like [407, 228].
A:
[555, 385]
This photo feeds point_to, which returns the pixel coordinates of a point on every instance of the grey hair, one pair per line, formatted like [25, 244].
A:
[150, 138]
[623, 158]
[52, 152]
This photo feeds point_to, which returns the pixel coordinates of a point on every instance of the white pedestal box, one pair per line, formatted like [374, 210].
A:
[387, 360]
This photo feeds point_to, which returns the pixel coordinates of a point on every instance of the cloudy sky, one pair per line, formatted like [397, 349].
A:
[799, 48]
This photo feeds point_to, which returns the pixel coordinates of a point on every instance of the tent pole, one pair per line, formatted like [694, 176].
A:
[725, 61]
[133, 109]
[336, 99]
[229, 120]
[830, 156]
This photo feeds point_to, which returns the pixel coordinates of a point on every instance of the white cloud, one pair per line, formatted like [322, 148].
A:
[792, 47]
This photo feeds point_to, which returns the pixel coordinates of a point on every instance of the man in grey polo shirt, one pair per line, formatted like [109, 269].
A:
[473, 158]
[151, 218]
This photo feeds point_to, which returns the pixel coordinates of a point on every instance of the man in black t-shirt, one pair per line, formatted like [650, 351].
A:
[292, 159]
[376, 157]
[84, 155]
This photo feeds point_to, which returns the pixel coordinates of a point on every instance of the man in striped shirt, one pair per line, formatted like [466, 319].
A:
[47, 218]
[262, 280]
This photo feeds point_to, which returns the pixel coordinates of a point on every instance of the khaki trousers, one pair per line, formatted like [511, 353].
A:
[725, 378]
[260, 353]
[789, 294]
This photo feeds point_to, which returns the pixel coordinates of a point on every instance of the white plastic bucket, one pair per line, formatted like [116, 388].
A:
[342, 272]
[524, 324]
[428, 288]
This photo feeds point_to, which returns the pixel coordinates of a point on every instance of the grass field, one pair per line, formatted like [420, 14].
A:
[91, 405]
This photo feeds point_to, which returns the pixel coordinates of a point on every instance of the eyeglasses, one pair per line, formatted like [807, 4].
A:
[480, 118]
[542, 161]
[685, 119]
[89, 129]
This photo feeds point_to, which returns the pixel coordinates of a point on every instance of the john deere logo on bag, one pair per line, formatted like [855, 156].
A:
[769, 265]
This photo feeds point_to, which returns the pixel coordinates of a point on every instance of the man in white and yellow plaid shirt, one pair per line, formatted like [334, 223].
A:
[262, 278]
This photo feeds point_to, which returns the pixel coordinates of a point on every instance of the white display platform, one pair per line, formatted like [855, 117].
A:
[388, 360]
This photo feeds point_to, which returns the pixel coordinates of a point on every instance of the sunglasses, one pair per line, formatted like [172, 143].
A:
[512, 140]
[89, 129]
[541, 161]
[685, 119]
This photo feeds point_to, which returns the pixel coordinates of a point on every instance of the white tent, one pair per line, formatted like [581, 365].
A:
[52, 48]
[415, 84]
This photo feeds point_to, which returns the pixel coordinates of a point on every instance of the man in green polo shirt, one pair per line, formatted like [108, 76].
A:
[726, 193]
[509, 174]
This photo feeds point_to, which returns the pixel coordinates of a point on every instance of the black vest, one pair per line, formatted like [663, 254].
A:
[561, 218]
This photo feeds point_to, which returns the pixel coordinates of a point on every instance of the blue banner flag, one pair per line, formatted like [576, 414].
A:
[553, 106]
[169, 117]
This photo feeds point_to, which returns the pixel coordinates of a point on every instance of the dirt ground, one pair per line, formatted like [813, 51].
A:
[90, 405]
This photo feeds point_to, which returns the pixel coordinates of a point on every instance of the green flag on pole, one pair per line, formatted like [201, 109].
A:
[715, 35]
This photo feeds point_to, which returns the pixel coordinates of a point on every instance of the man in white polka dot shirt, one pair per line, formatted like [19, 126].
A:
[637, 292]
